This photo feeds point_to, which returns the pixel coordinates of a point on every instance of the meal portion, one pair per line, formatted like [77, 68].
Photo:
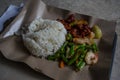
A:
[69, 41]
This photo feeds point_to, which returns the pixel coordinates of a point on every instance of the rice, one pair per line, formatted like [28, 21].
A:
[44, 37]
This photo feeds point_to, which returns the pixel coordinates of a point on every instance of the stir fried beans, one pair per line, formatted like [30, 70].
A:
[79, 49]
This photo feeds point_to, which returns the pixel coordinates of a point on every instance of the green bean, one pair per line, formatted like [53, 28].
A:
[94, 47]
[72, 50]
[51, 57]
[83, 54]
[81, 65]
[70, 44]
[72, 60]
[77, 65]
[69, 37]
[80, 50]
[67, 52]
[81, 47]
[57, 55]
[63, 46]
[76, 46]
[64, 58]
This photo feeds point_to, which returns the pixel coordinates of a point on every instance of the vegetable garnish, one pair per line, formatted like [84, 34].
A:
[79, 49]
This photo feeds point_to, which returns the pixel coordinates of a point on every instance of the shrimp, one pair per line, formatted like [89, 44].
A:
[91, 58]
[81, 40]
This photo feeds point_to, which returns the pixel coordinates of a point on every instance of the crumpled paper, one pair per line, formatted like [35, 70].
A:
[10, 12]
[12, 46]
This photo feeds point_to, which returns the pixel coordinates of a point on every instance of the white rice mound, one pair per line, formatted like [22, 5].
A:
[44, 37]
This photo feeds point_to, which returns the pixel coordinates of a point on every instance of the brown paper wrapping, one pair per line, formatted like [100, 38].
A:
[12, 46]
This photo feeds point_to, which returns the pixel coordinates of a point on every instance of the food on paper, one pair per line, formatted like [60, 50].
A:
[44, 37]
[69, 41]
